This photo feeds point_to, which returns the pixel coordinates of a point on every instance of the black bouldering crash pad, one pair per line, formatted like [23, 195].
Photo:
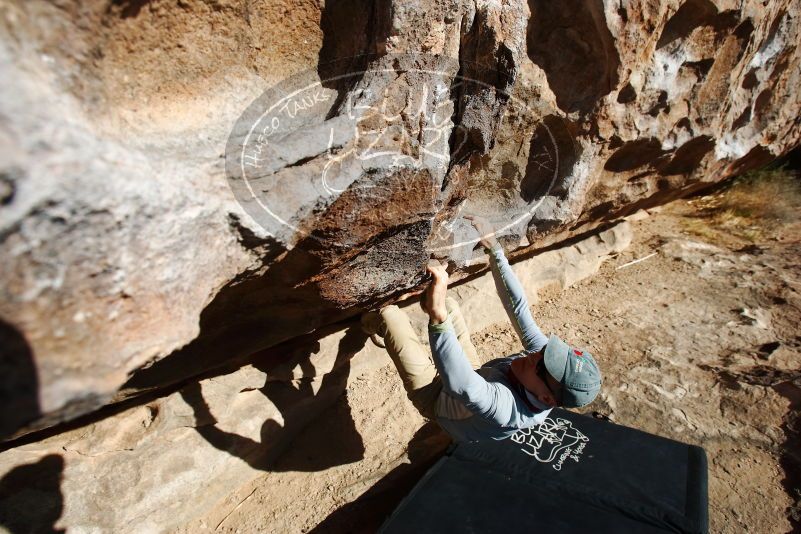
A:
[573, 473]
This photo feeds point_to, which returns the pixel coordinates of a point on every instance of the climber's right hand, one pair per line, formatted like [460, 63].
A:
[438, 272]
[436, 292]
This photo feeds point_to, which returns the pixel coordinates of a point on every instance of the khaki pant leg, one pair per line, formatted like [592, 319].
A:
[410, 356]
[462, 332]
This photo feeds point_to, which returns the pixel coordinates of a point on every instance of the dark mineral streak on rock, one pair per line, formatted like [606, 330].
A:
[487, 71]
[571, 42]
[540, 179]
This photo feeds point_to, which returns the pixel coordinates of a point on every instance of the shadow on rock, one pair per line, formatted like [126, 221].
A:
[368, 512]
[344, 54]
[250, 313]
[299, 406]
[30, 496]
[19, 386]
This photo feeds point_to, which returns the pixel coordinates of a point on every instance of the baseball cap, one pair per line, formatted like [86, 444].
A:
[575, 369]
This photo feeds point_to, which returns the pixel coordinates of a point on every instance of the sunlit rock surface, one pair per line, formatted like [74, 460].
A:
[133, 258]
[160, 464]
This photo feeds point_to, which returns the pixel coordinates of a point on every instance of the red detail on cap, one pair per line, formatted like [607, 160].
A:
[578, 352]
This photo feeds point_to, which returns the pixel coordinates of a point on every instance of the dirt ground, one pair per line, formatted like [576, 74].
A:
[698, 342]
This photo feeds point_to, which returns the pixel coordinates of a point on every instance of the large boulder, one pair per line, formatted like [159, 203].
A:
[160, 464]
[156, 224]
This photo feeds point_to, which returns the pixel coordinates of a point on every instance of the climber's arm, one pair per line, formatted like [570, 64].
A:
[514, 300]
[458, 377]
[509, 289]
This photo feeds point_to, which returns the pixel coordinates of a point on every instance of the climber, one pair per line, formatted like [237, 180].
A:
[504, 395]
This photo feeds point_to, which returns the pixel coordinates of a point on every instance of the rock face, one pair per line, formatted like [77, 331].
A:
[147, 235]
[138, 470]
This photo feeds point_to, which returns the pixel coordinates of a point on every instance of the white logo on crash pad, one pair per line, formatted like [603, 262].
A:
[554, 441]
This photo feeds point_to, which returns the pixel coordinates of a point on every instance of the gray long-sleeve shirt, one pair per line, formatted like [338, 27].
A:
[487, 403]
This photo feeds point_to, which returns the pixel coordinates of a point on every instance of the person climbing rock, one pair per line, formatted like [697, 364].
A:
[469, 401]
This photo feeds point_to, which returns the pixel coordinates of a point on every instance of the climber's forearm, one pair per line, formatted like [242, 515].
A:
[437, 316]
[514, 301]
[458, 377]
